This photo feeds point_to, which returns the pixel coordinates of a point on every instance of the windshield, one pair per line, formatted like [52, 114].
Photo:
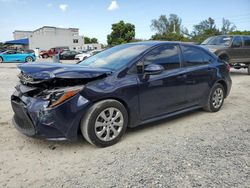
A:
[218, 40]
[116, 57]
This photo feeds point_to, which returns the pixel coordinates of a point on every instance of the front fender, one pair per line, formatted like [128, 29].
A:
[222, 53]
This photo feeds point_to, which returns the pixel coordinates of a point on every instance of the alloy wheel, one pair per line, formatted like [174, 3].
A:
[109, 124]
[217, 98]
[29, 59]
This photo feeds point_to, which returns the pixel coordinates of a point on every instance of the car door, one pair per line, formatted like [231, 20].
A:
[72, 55]
[246, 47]
[65, 55]
[200, 72]
[165, 92]
[10, 56]
[19, 56]
[236, 51]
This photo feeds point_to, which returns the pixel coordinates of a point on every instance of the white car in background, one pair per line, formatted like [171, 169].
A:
[82, 56]
[93, 52]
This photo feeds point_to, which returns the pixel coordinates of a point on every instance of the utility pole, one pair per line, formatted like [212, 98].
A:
[174, 27]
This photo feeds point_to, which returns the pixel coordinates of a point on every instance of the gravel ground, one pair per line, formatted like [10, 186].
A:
[197, 149]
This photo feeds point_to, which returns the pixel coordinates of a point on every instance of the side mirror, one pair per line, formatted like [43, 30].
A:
[153, 69]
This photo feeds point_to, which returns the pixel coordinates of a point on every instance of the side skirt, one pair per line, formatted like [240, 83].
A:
[169, 115]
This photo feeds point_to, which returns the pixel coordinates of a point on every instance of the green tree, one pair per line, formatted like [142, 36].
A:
[161, 25]
[170, 29]
[170, 37]
[164, 25]
[227, 27]
[237, 32]
[87, 40]
[204, 30]
[121, 33]
[94, 40]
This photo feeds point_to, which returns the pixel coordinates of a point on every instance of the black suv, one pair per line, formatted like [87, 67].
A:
[234, 49]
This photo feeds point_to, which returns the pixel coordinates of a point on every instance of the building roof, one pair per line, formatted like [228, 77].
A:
[52, 27]
[23, 31]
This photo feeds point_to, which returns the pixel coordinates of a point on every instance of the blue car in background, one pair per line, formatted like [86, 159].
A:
[16, 56]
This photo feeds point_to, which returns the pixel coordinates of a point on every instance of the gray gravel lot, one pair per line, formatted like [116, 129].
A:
[197, 149]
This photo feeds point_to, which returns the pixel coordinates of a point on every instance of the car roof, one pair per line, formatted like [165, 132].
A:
[155, 42]
[229, 35]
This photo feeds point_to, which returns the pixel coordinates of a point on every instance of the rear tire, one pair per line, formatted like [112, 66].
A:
[1, 60]
[248, 70]
[216, 98]
[104, 123]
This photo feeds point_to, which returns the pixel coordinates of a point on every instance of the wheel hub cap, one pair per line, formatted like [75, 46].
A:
[217, 98]
[109, 124]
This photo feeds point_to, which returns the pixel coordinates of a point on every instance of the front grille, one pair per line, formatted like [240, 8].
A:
[21, 118]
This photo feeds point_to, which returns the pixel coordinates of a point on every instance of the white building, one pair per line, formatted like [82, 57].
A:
[48, 37]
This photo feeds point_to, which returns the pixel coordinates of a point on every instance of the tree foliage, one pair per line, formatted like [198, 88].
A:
[88, 40]
[165, 25]
[204, 30]
[204, 26]
[94, 40]
[237, 32]
[170, 37]
[227, 27]
[121, 33]
[170, 29]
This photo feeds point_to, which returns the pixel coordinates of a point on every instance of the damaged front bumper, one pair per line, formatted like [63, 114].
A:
[32, 116]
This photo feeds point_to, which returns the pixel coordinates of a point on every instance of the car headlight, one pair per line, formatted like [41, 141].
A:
[58, 96]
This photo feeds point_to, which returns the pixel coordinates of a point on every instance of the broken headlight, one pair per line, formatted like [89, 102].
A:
[58, 96]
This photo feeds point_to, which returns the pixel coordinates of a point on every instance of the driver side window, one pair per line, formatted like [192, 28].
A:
[166, 56]
[11, 52]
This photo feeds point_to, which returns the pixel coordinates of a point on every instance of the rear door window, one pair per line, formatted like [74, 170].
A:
[194, 56]
[237, 42]
[246, 40]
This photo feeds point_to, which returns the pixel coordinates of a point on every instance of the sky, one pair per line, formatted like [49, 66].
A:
[95, 17]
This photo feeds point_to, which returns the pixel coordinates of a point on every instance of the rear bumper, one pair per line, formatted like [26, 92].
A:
[33, 118]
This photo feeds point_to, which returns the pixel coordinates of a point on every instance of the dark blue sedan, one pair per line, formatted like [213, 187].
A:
[124, 86]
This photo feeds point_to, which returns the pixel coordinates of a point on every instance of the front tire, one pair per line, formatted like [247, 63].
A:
[248, 69]
[104, 123]
[1, 60]
[215, 99]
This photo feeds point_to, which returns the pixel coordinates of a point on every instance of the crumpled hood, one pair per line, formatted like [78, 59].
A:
[45, 71]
